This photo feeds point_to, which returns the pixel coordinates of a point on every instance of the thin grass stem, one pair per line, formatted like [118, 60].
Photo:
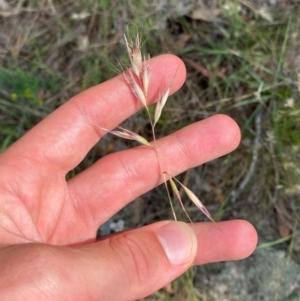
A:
[160, 165]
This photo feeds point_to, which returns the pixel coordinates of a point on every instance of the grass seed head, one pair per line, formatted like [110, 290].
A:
[196, 201]
[160, 105]
[136, 89]
[162, 100]
[145, 77]
[135, 54]
[175, 191]
[126, 134]
[177, 195]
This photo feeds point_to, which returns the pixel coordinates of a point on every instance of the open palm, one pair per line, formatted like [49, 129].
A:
[52, 222]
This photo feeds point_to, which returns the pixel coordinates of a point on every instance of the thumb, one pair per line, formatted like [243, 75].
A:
[133, 264]
[126, 266]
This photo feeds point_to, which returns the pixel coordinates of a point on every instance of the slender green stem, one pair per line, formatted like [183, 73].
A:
[159, 163]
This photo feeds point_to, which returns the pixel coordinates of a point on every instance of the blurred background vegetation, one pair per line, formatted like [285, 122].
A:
[243, 60]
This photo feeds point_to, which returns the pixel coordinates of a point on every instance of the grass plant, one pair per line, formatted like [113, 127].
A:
[138, 79]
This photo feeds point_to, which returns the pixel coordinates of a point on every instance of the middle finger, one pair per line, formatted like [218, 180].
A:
[115, 180]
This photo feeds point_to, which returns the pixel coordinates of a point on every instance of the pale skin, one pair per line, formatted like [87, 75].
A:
[48, 225]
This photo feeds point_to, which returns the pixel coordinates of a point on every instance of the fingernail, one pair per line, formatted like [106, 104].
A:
[178, 241]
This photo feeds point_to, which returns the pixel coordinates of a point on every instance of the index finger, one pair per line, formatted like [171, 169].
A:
[63, 138]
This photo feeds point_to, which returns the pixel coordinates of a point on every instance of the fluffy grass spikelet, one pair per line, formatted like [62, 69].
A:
[126, 134]
[160, 105]
[137, 90]
[135, 54]
[196, 201]
[146, 75]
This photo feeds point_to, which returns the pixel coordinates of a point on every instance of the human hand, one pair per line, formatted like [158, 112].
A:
[48, 225]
